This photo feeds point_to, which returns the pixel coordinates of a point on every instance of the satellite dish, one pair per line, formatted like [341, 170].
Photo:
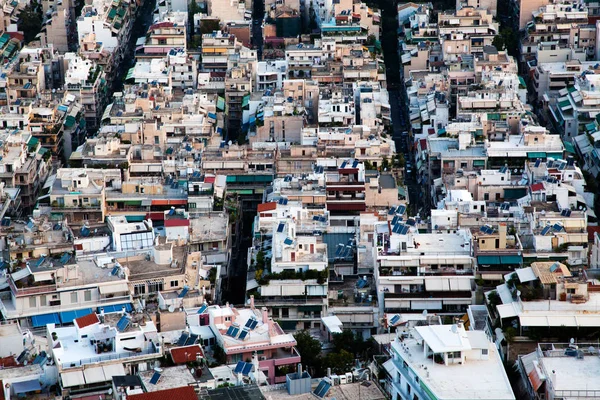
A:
[192, 371]
[572, 341]
[454, 328]
[229, 143]
[519, 293]
[424, 313]
[580, 207]
[515, 170]
[110, 391]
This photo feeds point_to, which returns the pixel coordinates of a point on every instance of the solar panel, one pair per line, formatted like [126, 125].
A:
[323, 219]
[344, 164]
[537, 163]
[562, 166]
[281, 227]
[191, 340]
[288, 242]
[395, 319]
[182, 339]
[239, 367]
[557, 227]
[123, 323]
[401, 209]
[183, 292]
[566, 212]
[243, 334]
[503, 170]
[114, 271]
[339, 250]
[65, 258]
[316, 218]
[355, 164]
[202, 309]
[550, 163]
[155, 378]
[396, 220]
[248, 323]
[247, 369]
[254, 323]
[235, 332]
[392, 211]
[229, 331]
[411, 222]
[546, 230]
[404, 230]
[322, 389]
[554, 267]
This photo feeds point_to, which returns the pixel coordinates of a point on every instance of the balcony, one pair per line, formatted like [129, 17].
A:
[28, 291]
[429, 295]
[148, 353]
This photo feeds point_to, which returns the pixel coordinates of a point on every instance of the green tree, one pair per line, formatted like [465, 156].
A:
[30, 21]
[309, 349]
[385, 164]
[506, 40]
[219, 354]
[339, 362]
[344, 341]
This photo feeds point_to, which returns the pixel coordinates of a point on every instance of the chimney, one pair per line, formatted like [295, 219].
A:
[299, 370]
[252, 301]
[502, 233]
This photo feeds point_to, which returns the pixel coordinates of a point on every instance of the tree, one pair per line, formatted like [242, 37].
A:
[339, 362]
[371, 39]
[506, 40]
[344, 341]
[30, 21]
[219, 354]
[385, 164]
[309, 349]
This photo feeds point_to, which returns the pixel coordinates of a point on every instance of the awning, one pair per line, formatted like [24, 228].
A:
[310, 308]
[130, 73]
[479, 163]
[288, 325]
[426, 304]
[513, 194]
[511, 260]
[20, 274]
[94, 375]
[488, 260]
[27, 386]
[436, 284]
[113, 370]
[569, 147]
[68, 316]
[69, 121]
[70, 379]
[116, 288]
[536, 154]
[116, 308]
[44, 319]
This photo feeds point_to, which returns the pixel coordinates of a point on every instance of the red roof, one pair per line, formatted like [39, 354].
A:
[156, 216]
[182, 355]
[16, 35]
[536, 187]
[7, 362]
[267, 207]
[180, 393]
[87, 320]
[210, 179]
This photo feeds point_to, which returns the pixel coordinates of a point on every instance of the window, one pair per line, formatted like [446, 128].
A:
[73, 297]
[32, 302]
[174, 283]
[139, 289]
[285, 313]
[43, 301]
[484, 352]
[87, 295]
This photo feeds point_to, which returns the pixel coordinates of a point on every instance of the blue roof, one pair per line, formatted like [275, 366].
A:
[44, 319]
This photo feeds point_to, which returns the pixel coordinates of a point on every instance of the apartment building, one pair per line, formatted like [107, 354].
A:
[466, 31]
[242, 331]
[433, 361]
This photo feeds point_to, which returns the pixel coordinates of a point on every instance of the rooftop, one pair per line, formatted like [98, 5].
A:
[456, 381]
[170, 378]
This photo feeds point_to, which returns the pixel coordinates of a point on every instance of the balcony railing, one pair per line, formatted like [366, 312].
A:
[152, 350]
[30, 290]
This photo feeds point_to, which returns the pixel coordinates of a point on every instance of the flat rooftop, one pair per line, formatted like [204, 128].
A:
[142, 268]
[573, 373]
[204, 228]
[352, 391]
[474, 379]
[170, 378]
[441, 242]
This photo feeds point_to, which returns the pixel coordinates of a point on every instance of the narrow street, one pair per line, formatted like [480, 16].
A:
[398, 100]
[258, 13]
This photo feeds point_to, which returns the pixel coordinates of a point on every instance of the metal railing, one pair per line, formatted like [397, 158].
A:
[110, 357]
